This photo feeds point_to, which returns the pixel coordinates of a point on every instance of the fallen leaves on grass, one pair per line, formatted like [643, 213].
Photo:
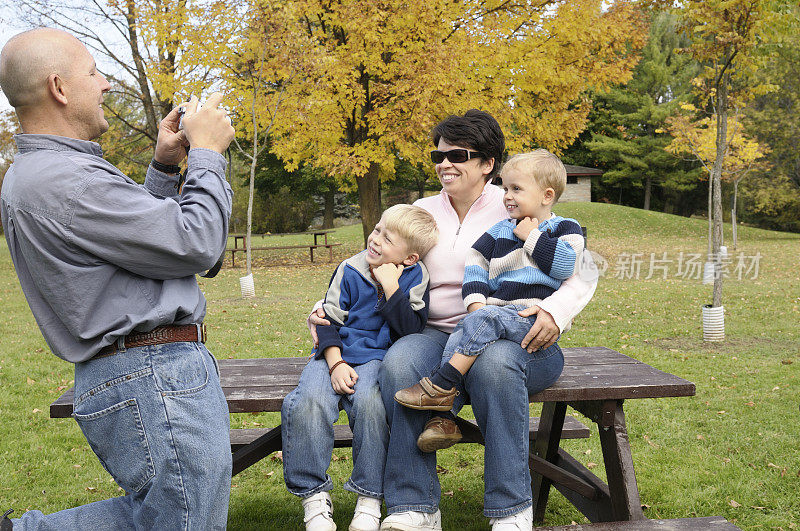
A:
[277, 456]
[590, 465]
[734, 503]
[441, 470]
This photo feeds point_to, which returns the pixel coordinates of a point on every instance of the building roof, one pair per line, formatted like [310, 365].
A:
[582, 171]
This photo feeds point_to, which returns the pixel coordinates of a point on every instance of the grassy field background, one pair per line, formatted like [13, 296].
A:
[732, 450]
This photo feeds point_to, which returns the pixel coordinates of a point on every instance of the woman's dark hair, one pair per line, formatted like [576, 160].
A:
[476, 130]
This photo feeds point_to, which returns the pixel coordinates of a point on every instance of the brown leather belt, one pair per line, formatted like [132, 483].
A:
[158, 336]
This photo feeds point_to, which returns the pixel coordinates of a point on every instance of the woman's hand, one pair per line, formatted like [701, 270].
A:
[317, 318]
[343, 379]
[544, 331]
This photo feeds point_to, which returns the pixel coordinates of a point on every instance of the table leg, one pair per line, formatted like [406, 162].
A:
[257, 450]
[625, 501]
[546, 446]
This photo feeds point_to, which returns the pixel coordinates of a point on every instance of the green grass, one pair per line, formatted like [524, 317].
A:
[731, 450]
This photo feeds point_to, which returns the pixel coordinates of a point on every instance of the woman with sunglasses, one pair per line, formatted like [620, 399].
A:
[469, 150]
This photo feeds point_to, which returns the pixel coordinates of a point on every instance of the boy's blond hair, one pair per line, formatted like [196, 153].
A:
[415, 225]
[542, 166]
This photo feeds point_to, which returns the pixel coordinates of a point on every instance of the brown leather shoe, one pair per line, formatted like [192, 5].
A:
[426, 395]
[439, 433]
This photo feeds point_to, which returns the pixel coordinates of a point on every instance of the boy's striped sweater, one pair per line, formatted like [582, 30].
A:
[502, 269]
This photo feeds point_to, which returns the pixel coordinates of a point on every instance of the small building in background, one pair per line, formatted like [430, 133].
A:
[579, 184]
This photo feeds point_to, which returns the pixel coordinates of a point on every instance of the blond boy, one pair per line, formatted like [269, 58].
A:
[374, 298]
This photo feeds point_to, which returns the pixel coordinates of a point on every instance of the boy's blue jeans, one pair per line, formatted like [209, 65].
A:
[307, 418]
[479, 329]
[157, 419]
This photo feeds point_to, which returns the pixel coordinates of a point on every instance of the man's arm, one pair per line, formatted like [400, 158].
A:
[128, 225]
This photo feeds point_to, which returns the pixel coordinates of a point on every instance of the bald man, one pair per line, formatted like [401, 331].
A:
[107, 266]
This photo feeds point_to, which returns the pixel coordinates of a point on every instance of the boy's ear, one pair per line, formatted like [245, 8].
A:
[411, 259]
[549, 196]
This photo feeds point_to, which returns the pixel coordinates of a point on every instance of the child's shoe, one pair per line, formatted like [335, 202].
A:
[426, 395]
[367, 516]
[319, 512]
[439, 433]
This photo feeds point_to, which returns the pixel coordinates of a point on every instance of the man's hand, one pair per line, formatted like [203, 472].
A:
[317, 318]
[544, 331]
[343, 379]
[210, 127]
[171, 143]
[388, 275]
[525, 227]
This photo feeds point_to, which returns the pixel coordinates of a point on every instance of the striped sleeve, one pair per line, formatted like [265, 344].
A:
[556, 251]
[476, 273]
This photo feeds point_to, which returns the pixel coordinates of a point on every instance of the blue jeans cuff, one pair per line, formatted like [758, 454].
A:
[328, 485]
[502, 513]
[430, 509]
[352, 487]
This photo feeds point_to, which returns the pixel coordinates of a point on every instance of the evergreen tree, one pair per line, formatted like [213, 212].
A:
[627, 135]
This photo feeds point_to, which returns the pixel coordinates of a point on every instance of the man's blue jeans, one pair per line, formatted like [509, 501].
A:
[307, 418]
[157, 419]
[498, 385]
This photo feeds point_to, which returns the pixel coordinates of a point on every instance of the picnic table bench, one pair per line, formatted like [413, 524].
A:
[596, 381]
[317, 233]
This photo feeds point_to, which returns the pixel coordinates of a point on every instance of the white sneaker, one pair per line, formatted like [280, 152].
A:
[319, 512]
[520, 520]
[412, 521]
[367, 516]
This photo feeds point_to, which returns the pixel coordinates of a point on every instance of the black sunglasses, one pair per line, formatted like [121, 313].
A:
[455, 156]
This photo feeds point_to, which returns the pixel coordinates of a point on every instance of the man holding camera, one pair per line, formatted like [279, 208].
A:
[107, 266]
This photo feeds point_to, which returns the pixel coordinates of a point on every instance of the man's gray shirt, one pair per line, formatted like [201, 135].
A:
[97, 254]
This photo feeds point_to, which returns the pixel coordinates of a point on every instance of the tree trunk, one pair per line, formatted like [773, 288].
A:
[647, 190]
[733, 211]
[369, 197]
[710, 216]
[330, 200]
[253, 163]
[421, 180]
[722, 146]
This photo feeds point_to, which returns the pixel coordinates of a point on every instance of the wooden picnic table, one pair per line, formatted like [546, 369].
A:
[317, 234]
[596, 381]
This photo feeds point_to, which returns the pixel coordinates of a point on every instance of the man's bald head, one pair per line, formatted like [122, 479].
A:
[29, 58]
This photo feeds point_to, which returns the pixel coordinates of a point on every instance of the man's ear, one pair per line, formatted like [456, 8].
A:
[411, 259]
[549, 196]
[55, 86]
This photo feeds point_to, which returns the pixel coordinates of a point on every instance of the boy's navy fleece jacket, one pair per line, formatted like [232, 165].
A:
[363, 323]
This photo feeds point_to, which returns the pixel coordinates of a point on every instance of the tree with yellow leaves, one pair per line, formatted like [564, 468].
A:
[699, 139]
[378, 74]
[725, 39]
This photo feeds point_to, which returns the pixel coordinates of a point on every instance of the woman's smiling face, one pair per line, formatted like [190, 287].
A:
[463, 181]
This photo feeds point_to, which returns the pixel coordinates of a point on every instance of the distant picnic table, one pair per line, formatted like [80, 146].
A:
[596, 381]
[316, 233]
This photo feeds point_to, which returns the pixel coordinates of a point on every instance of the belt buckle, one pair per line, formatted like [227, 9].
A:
[201, 332]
